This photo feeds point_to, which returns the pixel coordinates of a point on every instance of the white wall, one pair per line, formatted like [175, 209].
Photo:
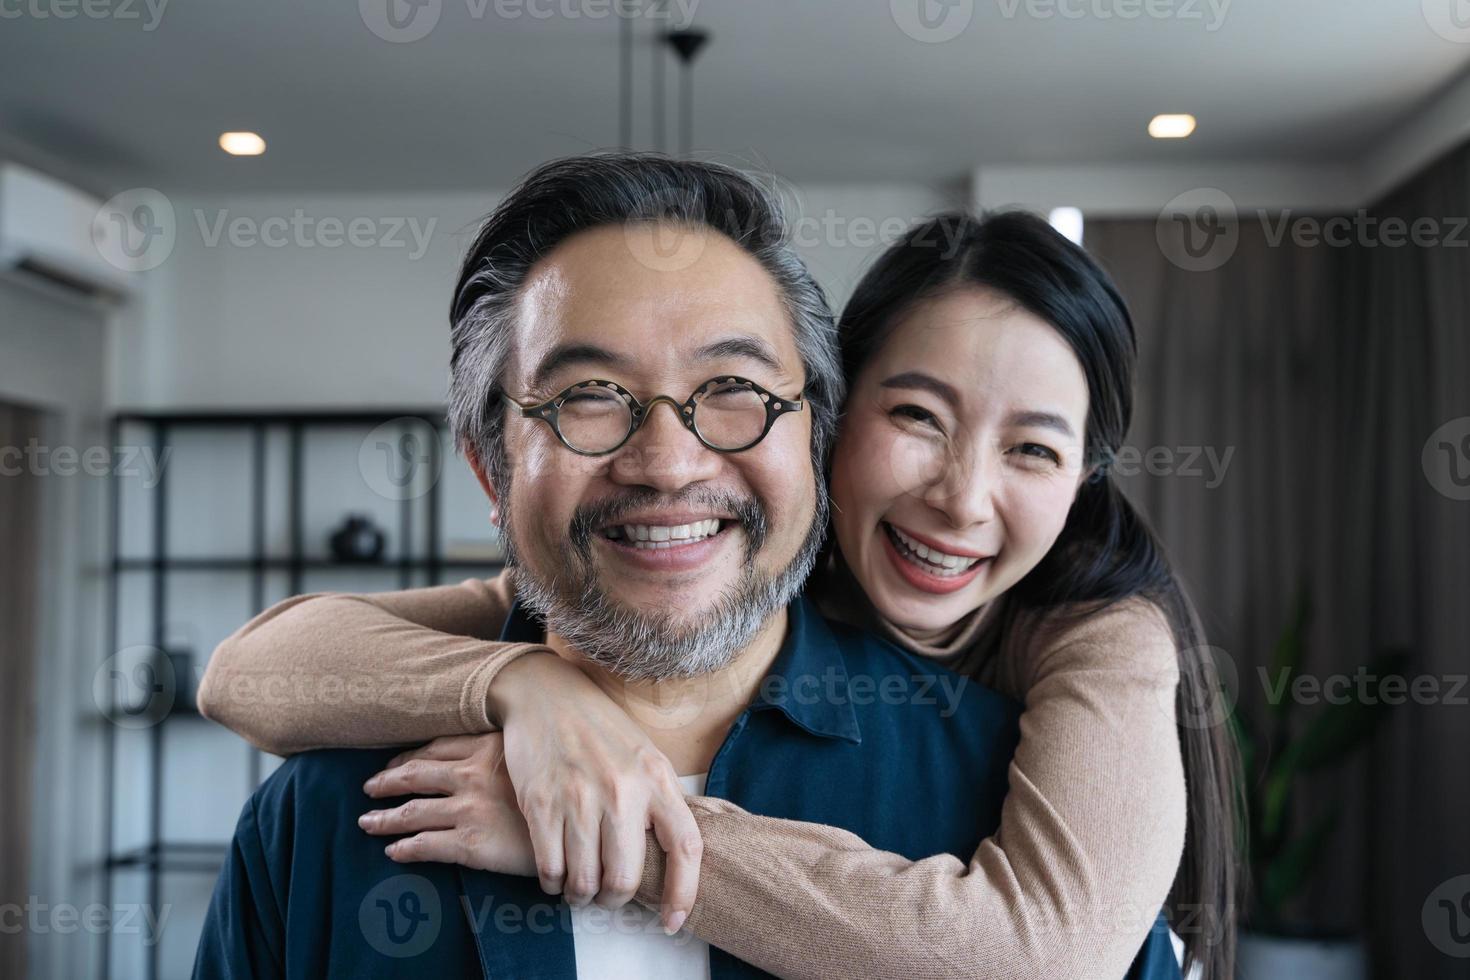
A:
[238, 320]
[52, 356]
[272, 319]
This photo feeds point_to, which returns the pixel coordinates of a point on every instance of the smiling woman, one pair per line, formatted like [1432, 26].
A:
[975, 406]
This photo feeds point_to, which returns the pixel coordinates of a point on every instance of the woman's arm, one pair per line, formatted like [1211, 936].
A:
[1090, 838]
[407, 667]
[389, 668]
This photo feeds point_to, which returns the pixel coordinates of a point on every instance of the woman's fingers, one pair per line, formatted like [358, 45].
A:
[678, 834]
[414, 776]
[583, 837]
[443, 846]
[622, 858]
[446, 748]
[547, 829]
[420, 813]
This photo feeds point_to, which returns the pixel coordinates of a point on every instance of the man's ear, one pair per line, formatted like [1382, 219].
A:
[478, 465]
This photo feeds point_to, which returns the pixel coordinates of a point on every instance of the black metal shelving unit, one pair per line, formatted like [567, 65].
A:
[159, 856]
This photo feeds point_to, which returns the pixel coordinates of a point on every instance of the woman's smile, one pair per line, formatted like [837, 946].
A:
[929, 569]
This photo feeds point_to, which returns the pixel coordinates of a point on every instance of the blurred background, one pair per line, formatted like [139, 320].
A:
[228, 233]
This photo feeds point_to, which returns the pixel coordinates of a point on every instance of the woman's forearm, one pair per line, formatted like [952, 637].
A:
[1089, 841]
[363, 670]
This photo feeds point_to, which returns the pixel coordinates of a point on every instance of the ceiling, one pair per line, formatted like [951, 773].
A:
[817, 90]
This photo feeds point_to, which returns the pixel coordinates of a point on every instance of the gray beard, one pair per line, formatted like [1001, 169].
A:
[641, 645]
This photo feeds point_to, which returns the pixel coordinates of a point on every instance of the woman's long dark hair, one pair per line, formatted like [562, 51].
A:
[1106, 551]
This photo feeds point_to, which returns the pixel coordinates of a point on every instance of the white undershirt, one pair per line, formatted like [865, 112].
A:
[629, 943]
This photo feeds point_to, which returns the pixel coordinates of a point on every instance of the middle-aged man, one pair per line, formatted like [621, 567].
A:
[635, 343]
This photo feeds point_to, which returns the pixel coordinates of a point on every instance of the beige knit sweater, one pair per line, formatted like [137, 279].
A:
[1091, 830]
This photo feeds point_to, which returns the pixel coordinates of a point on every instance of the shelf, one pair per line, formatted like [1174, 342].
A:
[305, 417]
[267, 563]
[242, 564]
[201, 856]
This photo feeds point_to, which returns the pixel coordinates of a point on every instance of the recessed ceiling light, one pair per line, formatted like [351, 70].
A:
[1171, 127]
[242, 144]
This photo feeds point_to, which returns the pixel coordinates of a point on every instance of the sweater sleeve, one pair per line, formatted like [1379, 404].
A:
[1090, 837]
[332, 669]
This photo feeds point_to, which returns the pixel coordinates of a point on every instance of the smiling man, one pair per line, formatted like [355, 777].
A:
[670, 530]
[645, 381]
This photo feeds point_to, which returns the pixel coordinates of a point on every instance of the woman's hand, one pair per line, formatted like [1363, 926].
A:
[474, 821]
[565, 794]
[590, 783]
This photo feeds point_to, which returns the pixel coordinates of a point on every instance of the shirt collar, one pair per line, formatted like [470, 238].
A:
[807, 682]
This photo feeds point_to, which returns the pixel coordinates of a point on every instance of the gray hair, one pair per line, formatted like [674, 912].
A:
[566, 196]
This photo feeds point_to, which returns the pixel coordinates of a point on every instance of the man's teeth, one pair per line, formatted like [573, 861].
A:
[658, 536]
[936, 561]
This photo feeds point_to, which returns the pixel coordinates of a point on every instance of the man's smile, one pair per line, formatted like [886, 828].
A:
[667, 546]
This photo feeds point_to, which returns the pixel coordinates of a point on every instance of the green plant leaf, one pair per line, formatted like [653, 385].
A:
[1287, 656]
[1275, 794]
[1289, 871]
[1340, 729]
[1244, 742]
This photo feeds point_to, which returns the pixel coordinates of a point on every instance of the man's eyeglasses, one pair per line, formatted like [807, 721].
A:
[727, 414]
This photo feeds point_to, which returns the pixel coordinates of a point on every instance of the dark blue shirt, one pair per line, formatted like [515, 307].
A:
[846, 730]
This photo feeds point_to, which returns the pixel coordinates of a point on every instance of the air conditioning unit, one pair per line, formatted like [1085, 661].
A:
[57, 237]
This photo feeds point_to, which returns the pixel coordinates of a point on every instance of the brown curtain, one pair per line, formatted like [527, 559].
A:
[20, 504]
[1324, 371]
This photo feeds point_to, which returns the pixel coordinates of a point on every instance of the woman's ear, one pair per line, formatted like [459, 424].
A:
[478, 466]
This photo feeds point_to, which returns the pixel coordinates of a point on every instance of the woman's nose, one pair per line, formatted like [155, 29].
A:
[965, 492]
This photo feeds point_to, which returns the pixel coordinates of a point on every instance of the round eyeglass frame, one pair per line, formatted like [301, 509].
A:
[549, 410]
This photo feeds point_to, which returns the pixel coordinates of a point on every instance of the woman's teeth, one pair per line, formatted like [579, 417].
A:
[932, 560]
[654, 537]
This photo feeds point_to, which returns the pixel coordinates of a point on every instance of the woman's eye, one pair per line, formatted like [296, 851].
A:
[1036, 450]
[915, 413]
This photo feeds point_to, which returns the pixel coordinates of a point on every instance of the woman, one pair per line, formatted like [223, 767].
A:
[990, 369]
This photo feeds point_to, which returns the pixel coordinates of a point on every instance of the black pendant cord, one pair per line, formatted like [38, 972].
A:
[686, 109]
[660, 139]
[686, 43]
[625, 83]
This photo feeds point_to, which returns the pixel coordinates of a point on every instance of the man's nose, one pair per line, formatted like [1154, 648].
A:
[663, 454]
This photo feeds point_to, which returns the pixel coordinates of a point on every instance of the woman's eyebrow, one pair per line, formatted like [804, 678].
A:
[1041, 420]
[923, 382]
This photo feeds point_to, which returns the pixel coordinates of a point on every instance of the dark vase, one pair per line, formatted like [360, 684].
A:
[357, 540]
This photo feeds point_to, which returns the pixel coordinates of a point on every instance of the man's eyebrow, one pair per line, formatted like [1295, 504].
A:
[923, 382]
[1041, 420]
[564, 355]
[747, 346]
